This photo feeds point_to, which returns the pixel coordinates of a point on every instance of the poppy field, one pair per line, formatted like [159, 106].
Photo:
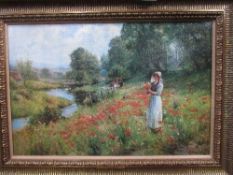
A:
[117, 126]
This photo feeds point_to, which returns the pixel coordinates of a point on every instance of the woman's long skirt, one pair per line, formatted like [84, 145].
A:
[154, 113]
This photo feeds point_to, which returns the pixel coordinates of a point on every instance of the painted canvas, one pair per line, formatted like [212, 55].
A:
[136, 89]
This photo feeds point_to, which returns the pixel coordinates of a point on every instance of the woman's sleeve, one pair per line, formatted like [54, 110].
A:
[160, 89]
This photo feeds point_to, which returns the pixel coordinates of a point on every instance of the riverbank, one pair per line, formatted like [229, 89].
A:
[31, 101]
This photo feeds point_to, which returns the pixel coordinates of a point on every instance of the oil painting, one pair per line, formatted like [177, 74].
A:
[110, 89]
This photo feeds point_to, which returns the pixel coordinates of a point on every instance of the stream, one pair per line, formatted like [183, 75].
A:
[67, 111]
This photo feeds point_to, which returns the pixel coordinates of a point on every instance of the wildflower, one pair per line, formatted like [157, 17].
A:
[65, 134]
[112, 136]
[173, 112]
[170, 139]
[71, 144]
[193, 110]
[112, 109]
[147, 86]
[204, 99]
[174, 128]
[165, 102]
[184, 106]
[203, 118]
[187, 99]
[127, 132]
[120, 103]
[92, 134]
[100, 116]
[134, 104]
[102, 140]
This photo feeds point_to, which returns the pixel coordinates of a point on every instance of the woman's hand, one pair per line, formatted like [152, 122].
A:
[151, 92]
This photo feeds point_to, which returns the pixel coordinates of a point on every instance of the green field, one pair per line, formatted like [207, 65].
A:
[117, 125]
[31, 101]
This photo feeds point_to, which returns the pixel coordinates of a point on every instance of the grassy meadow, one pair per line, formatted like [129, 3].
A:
[117, 125]
[31, 101]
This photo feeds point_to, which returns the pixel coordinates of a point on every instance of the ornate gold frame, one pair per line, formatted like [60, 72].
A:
[108, 11]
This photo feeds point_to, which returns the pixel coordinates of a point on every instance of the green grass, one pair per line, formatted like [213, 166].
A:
[30, 101]
[42, 85]
[117, 125]
[188, 81]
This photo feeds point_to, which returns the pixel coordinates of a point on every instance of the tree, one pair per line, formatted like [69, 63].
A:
[118, 59]
[45, 73]
[143, 48]
[26, 70]
[140, 47]
[50, 114]
[104, 65]
[194, 42]
[104, 62]
[85, 67]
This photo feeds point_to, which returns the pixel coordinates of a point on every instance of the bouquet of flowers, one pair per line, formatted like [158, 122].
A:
[147, 86]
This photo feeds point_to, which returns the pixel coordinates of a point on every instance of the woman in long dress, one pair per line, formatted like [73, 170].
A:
[155, 113]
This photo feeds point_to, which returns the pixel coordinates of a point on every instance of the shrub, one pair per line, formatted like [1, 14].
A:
[48, 145]
[94, 146]
[89, 95]
[49, 114]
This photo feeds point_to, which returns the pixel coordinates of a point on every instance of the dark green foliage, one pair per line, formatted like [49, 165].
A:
[85, 96]
[95, 146]
[194, 40]
[118, 59]
[147, 47]
[85, 67]
[49, 114]
[88, 95]
[26, 70]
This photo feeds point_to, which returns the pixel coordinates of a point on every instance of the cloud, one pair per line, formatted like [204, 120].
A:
[51, 45]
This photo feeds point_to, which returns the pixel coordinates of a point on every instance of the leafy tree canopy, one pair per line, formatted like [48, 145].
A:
[143, 48]
[85, 67]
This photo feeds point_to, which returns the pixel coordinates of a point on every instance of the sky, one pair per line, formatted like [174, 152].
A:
[50, 46]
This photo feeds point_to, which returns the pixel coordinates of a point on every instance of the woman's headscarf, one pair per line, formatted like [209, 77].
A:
[159, 74]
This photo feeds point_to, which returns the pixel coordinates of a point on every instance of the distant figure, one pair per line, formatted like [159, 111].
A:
[116, 83]
[120, 82]
[155, 114]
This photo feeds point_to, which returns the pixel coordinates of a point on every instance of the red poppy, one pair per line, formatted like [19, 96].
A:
[170, 139]
[112, 136]
[112, 109]
[203, 118]
[127, 132]
[173, 112]
[65, 134]
[147, 86]
[71, 144]
[134, 104]
[193, 110]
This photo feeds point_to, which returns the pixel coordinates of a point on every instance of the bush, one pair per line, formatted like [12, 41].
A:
[49, 114]
[95, 146]
[47, 144]
[89, 95]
